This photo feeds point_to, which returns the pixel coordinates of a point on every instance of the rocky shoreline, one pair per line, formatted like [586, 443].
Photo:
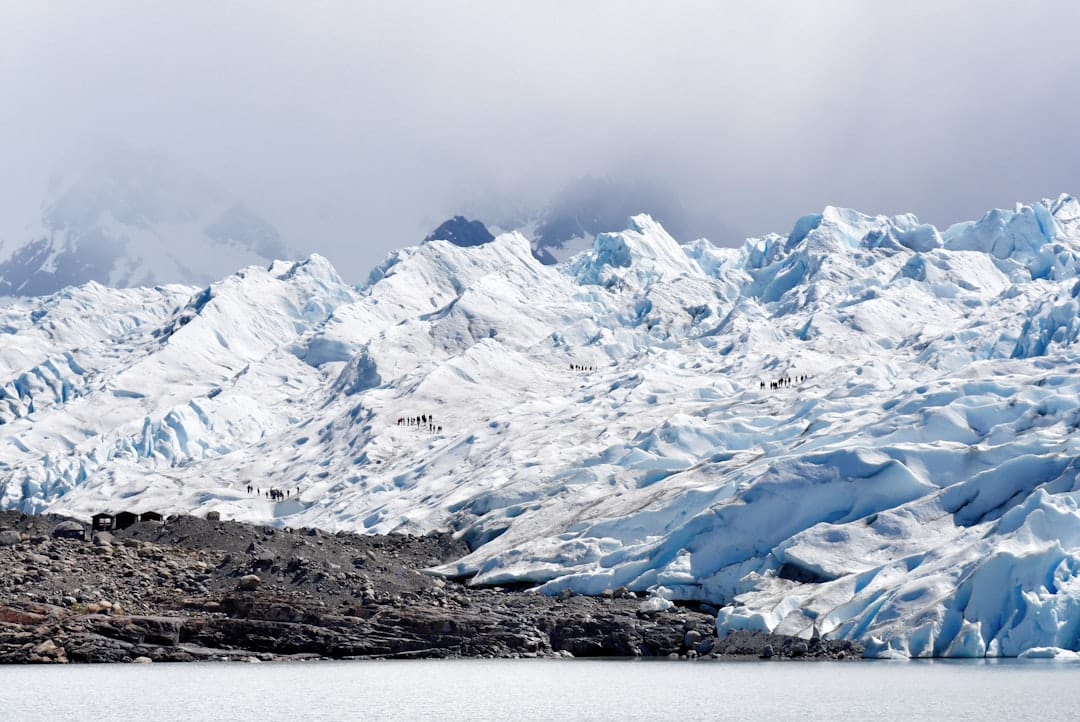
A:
[191, 589]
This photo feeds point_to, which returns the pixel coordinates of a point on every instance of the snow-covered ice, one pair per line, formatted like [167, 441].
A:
[910, 482]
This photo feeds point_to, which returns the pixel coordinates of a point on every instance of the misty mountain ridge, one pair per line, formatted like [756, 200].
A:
[130, 217]
[863, 428]
[584, 208]
[125, 216]
[591, 205]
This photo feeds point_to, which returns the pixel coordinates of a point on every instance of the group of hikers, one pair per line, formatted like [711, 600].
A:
[273, 494]
[784, 382]
[581, 367]
[425, 421]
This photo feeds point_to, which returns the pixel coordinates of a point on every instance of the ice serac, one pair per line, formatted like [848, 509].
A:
[1037, 240]
[864, 427]
[642, 254]
[146, 380]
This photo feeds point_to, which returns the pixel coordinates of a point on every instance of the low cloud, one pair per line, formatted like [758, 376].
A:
[357, 128]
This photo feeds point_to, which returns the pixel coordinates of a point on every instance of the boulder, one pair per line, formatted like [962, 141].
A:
[47, 651]
[263, 559]
[9, 537]
[213, 516]
[46, 647]
[69, 530]
[15, 615]
[94, 648]
[249, 582]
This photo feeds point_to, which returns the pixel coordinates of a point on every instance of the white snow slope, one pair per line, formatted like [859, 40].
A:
[918, 491]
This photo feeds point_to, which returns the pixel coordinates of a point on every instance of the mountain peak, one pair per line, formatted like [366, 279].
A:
[128, 216]
[461, 232]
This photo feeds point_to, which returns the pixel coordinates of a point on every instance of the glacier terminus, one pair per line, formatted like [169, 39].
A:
[863, 429]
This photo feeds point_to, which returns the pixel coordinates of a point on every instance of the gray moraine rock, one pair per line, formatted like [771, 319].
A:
[187, 590]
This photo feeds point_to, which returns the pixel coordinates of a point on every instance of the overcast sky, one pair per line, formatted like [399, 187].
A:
[356, 127]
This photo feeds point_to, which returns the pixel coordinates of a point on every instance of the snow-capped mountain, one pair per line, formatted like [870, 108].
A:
[588, 206]
[865, 427]
[129, 217]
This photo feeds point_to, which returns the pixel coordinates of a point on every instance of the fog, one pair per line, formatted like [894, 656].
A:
[358, 127]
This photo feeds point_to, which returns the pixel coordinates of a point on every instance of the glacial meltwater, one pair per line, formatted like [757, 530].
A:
[544, 690]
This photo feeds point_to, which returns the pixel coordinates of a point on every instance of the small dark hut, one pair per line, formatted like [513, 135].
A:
[125, 519]
[150, 516]
[102, 521]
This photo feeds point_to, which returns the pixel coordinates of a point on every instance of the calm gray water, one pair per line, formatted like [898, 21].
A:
[543, 690]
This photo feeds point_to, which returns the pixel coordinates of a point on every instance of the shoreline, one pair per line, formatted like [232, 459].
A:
[191, 590]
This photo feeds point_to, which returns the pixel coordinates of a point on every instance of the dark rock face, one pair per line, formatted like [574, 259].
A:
[240, 226]
[42, 266]
[194, 589]
[107, 218]
[461, 232]
[544, 256]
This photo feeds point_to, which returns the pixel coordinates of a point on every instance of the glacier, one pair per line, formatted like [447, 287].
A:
[863, 429]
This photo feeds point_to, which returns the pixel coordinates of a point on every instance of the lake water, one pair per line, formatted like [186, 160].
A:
[543, 690]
